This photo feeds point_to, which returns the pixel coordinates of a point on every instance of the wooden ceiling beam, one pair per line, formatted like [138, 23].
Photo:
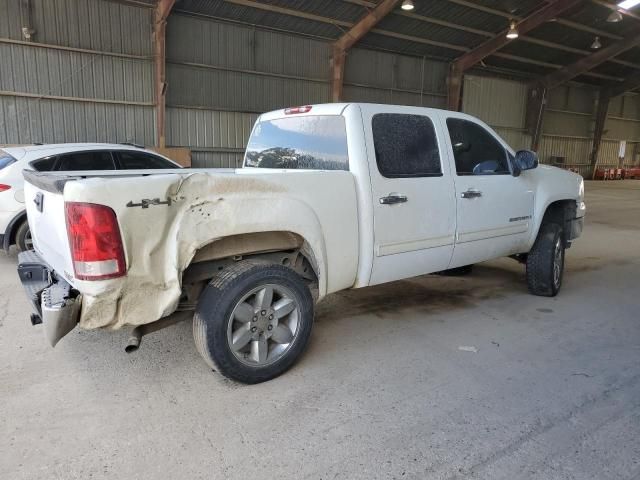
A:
[586, 64]
[630, 83]
[537, 18]
[560, 21]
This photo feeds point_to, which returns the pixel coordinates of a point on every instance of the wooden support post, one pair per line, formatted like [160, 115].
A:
[454, 88]
[598, 131]
[161, 13]
[337, 73]
[534, 118]
[348, 39]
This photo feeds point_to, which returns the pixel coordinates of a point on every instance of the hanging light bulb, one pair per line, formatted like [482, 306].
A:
[513, 31]
[614, 17]
[407, 5]
[596, 44]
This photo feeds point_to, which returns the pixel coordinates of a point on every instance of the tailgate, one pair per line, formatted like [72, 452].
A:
[45, 210]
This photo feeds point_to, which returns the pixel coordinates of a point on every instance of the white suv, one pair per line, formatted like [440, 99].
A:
[14, 228]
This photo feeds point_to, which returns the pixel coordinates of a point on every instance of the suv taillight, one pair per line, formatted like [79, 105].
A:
[96, 244]
[4, 187]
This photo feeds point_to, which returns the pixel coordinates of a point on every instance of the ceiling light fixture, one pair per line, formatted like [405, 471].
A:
[627, 4]
[596, 43]
[407, 5]
[513, 31]
[615, 17]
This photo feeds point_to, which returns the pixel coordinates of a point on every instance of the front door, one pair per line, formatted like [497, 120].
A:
[494, 214]
[412, 188]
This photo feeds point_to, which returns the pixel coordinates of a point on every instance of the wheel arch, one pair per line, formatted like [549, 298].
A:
[12, 228]
[559, 211]
[275, 246]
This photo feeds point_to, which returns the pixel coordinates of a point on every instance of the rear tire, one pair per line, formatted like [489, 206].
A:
[23, 237]
[253, 321]
[545, 261]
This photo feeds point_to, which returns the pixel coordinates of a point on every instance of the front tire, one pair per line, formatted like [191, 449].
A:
[253, 321]
[545, 261]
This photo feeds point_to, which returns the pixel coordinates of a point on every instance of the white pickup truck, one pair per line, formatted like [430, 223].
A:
[331, 197]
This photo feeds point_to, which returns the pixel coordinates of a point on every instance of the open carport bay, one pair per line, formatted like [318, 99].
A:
[384, 391]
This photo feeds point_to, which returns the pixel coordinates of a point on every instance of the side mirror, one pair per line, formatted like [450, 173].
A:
[524, 160]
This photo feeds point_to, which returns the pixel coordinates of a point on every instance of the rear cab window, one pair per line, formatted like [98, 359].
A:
[309, 142]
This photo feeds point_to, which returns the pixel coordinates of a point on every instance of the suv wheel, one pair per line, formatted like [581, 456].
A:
[253, 321]
[23, 237]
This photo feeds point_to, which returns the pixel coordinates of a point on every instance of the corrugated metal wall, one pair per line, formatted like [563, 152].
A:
[234, 72]
[86, 74]
[568, 122]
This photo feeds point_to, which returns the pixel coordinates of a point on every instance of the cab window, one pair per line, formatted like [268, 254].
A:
[475, 150]
[309, 142]
[405, 146]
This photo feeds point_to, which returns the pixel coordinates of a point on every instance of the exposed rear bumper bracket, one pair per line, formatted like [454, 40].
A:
[56, 304]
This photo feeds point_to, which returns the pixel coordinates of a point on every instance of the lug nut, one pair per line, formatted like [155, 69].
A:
[263, 312]
[255, 318]
[270, 327]
[270, 317]
[254, 329]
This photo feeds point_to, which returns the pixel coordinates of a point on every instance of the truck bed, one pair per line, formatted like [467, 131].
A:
[166, 216]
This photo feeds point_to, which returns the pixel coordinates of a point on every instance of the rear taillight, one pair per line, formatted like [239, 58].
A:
[4, 188]
[96, 244]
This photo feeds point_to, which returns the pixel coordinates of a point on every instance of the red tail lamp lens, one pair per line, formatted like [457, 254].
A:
[95, 241]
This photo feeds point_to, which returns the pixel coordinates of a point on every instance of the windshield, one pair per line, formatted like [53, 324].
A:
[308, 142]
[5, 159]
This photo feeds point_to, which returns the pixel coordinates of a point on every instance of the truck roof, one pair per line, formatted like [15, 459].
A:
[333, 109]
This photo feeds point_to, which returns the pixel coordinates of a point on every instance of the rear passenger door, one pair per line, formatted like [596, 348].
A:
[414, 205]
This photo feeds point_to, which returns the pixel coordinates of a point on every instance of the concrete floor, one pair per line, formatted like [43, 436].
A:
[383, 392]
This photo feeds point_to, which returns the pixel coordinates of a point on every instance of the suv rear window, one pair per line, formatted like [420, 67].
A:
[141, 161]
[5, 159]
[79, 161]
[44, 164]
[311, 142]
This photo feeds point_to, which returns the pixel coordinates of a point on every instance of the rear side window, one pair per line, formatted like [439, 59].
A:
[405, 146]
[475, 150]
[316, 142]
[44, 164]
[5, 160]
[141, 161]
[85, 161]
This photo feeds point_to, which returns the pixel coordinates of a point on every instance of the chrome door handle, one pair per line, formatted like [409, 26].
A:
[471, 194]
[393, 198]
